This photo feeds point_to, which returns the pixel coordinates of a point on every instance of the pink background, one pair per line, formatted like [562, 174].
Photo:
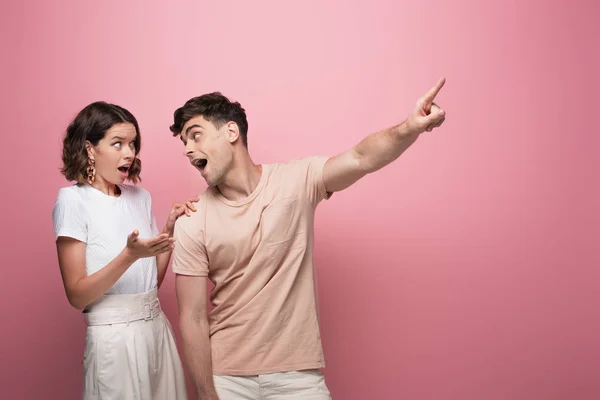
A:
[466, 270]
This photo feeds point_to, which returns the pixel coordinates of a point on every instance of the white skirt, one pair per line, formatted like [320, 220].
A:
[130, 350]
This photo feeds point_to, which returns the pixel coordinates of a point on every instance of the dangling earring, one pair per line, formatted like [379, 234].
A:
[91, 170]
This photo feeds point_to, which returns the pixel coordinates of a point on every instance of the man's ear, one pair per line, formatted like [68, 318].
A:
[233, 131]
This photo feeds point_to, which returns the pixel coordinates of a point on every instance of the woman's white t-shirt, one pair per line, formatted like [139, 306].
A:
[103, 223]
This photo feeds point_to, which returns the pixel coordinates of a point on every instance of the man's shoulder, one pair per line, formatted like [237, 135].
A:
[305, 160]
[194, 223]
[301, 163]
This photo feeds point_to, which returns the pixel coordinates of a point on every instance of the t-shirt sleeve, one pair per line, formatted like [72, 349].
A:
[68, 216]
[312, 170]
[189, 256]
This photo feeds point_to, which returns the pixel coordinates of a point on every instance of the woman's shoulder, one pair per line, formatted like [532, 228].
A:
[68, 199]
[70, 193]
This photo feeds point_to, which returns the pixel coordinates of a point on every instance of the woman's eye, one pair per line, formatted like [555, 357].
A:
[132, 145]
[117, 145]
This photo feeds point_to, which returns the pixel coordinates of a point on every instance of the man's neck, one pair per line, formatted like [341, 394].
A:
[241, 180]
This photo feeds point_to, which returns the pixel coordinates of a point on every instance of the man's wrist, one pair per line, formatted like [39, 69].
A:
[407, 129]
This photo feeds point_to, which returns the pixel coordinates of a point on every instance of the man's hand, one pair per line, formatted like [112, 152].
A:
[379, 149]
[426, 115]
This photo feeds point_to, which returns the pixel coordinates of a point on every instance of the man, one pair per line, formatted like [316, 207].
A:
[252, 236]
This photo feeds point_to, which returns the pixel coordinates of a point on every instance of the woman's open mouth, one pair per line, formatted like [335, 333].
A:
[124, 170]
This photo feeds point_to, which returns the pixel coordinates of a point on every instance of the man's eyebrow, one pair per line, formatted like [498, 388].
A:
[189, 128]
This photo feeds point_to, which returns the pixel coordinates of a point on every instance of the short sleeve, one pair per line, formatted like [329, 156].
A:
[189, 256]
[312, 170]
[69, 216]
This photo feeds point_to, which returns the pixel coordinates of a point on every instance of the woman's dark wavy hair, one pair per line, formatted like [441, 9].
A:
[91, 124]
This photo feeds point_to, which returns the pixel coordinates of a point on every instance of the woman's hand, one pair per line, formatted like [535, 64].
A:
[177, 210]
[141, 248]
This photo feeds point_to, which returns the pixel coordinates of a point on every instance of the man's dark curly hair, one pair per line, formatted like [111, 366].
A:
[215, 108]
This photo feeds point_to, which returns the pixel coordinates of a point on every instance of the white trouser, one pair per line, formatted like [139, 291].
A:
[301, 385]
[130, 350]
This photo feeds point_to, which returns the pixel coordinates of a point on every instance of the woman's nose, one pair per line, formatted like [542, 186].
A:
[130, 152]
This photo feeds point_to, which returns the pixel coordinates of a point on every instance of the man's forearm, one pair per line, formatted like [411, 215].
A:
[197, 354]
[379, 149]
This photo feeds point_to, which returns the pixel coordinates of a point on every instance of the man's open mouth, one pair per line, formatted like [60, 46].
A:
[200, 163]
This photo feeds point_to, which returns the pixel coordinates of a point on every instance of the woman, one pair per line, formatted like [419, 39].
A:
[113, 259]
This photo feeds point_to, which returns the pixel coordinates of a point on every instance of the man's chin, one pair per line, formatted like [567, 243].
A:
[209, 182]
[211, 179]
[213, 182]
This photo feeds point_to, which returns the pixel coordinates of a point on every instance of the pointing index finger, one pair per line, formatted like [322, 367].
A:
[430, 95]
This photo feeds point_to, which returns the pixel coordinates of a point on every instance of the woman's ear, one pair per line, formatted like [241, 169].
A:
[90, 150]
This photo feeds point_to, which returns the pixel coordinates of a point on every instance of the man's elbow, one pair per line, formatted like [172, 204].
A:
[192, 322]
[192, 317]
[364, 164]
